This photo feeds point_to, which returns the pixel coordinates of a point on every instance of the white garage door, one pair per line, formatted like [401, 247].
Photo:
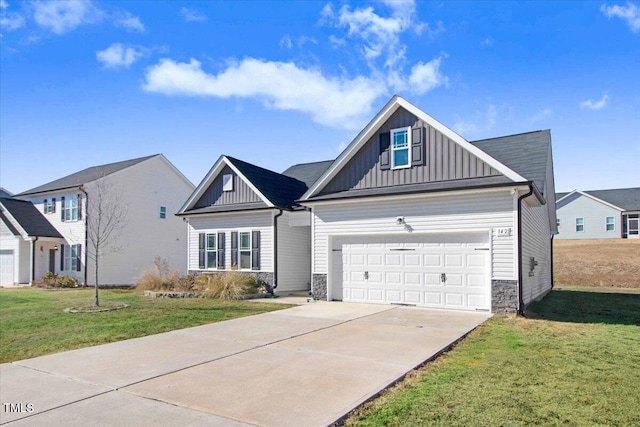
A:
[448, 271]
[6, 267]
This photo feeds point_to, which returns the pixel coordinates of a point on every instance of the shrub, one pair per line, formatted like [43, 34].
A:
[50, 280]
[228, 285]
[161, 278]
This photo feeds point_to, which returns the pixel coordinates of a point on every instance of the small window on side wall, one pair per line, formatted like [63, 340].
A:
[579, 224]
[558, 222]
[401, 148]
[163, 212]
[610, 224]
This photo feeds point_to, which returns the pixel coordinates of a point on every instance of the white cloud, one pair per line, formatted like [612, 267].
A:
[543, 114]
[118, 56]
[62, 16]
[128, 21]
[629, 13]
[426, 76]
[595, 105]
[190, 15]
[3, 4]
[482, 122]
[335, 102]
[487, 42]
[286, 41]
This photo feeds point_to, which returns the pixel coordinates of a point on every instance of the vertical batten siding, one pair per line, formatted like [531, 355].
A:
[214, 195]
[445, 160]
[255, 221]
[294, 256]
[536, 239]
[594, 214]
[433, 215]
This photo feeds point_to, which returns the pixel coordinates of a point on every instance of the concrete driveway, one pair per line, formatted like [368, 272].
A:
[304, 366]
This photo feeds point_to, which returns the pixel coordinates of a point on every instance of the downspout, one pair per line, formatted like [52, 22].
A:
[552, 236]
[275, 250]
[86, 234]
[33, 260]
[520, 275]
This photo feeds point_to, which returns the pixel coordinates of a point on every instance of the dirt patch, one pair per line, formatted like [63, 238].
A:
[603, 263]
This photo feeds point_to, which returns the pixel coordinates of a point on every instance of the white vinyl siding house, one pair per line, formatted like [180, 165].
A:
[139, 187]
[583, 217]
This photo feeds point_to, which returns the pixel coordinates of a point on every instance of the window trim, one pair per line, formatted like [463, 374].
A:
[612, 224]
[581, 224]
[70, 255]
[392, 133]
[208, 250]
[227, 182]
[68, 208]
[163, 212]
[240, 250]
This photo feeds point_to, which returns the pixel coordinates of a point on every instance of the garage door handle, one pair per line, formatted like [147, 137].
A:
[443, 278]
[366, 275]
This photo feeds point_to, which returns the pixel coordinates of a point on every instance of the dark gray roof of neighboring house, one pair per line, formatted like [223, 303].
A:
[281, 190]
[308, 172]
[5, 193]
[29, 218]
[624, 198]
[86, 175]
[524, 153]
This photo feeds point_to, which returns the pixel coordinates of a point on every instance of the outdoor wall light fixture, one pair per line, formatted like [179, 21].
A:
[400, 220]
[55, 247]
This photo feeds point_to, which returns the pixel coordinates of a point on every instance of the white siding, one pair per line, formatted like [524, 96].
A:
[255, 221]
[453, 213]
[294, 256]
[72, 231]
[9, 242]
[594, 214]
[536, 243]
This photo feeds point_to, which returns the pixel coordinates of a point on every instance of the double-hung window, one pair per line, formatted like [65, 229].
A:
[163, 212]
[71, 209]
[610, 223]
[557, 222]
[245, 250]
[50, 205]
[579, 224]
[401, 148]
[212, 251]
[71, 258]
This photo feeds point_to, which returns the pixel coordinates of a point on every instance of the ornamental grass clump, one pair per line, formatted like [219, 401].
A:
[229, 285]
[161, 277]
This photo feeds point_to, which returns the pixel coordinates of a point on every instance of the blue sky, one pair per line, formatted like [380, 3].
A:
[277, 83]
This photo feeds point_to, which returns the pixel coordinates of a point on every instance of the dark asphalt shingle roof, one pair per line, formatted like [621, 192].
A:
[524, 153]
[86, 175]
[5, 193]
[29, 218]
[308, 172]
[624, 198]
[281, 190]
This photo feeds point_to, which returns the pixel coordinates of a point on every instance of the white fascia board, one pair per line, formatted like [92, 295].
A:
[211, 176]
[594, 198]
[373, 126]
[412, 196]
[176, 171]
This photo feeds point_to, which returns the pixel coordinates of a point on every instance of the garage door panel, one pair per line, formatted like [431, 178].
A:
[6, 267]
[408, 269]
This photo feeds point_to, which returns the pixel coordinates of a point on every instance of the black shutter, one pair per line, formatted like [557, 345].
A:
[385, 151]
[53, 205]
[44, 208]
[417, 146]
[201, 255]
[221, 251]
[61, 257]
[234, 250]
[79, 258]
[62, 209]
[79, 207]
[255, 250]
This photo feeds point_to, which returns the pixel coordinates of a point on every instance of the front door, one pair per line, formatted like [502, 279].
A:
[632, 226]
[52, 260]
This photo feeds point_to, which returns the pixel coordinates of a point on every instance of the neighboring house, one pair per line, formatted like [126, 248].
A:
[243, 217]
[149, 190]
[409, 213]
[598, 214]
[4, 193]
[23, 234]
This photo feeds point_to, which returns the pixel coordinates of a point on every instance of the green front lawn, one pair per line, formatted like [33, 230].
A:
[32, 321]
[574, 362]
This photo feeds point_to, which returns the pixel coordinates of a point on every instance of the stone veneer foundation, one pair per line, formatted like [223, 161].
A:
[319, 286]
[504, 297]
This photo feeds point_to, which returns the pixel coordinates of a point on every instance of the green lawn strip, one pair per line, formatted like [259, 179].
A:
[32, 321]
[581, 368]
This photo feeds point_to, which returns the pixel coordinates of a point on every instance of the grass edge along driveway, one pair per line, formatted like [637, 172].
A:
[573, 362]
[32, 321]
